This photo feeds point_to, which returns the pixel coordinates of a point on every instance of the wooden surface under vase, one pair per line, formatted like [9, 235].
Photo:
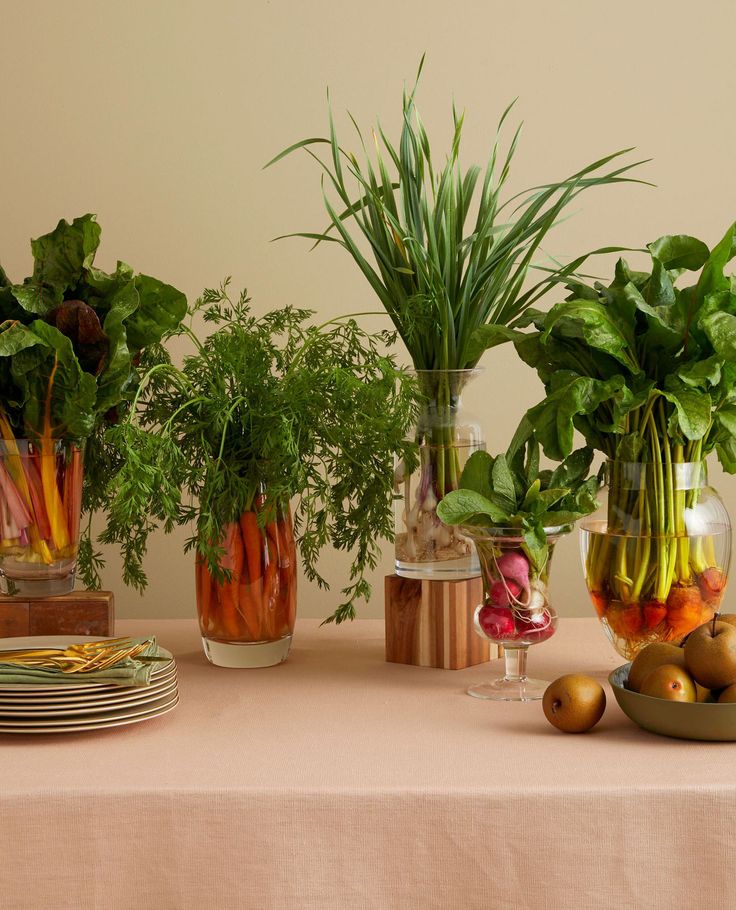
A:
[79, 613]
[430, 623]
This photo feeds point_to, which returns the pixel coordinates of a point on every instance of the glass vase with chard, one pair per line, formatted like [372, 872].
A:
[645, 370]
[450, 263]
[71, 339]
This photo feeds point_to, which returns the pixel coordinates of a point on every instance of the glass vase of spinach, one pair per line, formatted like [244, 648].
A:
[71, 341]
[450, 258]
[265, 412]
[645, 369]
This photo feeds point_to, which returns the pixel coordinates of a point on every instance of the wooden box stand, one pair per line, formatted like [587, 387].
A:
[430, 623]
[79, 613]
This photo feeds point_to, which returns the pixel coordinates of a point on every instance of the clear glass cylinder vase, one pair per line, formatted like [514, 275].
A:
[446, 436]
[247, 618]
[40, 509]
[656, 555]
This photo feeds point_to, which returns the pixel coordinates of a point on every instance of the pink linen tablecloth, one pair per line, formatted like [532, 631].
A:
[339, 781]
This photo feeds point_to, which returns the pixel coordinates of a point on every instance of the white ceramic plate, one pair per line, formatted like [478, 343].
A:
[63, 641]
[9, 713]
[152, 708]
[94, 723]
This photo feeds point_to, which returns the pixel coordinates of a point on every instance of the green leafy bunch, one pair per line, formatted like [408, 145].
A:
[449, 255]
[70, 334]
[510, 491]
[265, 406]
[643, 368]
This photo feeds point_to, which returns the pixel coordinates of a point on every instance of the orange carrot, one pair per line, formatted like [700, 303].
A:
[253, 544]
[203, 583]
[232, 560]
[271, 583]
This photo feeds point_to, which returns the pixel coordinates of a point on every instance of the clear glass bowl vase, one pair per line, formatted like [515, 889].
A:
[656, 555]
[446, 435]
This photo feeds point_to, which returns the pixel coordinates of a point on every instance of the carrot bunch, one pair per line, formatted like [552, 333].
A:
[258, 601]
[40, 498]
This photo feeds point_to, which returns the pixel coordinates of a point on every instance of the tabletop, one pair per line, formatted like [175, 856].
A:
[338, 780]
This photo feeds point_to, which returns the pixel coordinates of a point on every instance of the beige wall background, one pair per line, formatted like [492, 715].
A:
[159, 114]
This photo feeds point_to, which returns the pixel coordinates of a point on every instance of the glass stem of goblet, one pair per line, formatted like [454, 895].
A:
[515, 659]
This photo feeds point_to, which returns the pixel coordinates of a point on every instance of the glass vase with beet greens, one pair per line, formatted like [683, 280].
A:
[656, 559]
[645, 370]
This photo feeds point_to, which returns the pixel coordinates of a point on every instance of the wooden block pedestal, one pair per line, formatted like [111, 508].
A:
[79, 613]
[430, 623]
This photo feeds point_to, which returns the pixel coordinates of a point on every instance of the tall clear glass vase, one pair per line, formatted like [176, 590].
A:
[446, 435]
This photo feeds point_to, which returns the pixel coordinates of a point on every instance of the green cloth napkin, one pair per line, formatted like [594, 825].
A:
[128, 672]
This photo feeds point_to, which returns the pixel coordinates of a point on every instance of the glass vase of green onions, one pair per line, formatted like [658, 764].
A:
[446, 436]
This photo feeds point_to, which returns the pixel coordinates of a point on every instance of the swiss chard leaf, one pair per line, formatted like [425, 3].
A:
[60, 256]
[160, 309]
[58, 396]
[679, 251]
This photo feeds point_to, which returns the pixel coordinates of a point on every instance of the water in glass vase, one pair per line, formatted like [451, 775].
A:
[425, 547]
[446, 436]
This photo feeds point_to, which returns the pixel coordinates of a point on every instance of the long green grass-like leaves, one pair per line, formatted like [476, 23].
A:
[443, 253]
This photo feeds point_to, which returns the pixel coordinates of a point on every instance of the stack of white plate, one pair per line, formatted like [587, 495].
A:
[75, 707]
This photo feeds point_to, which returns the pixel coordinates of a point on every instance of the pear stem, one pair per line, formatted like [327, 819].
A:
[713, 628]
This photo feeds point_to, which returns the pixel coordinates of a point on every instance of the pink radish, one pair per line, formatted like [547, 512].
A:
[496, 622]
[514, 566]
[504, 592]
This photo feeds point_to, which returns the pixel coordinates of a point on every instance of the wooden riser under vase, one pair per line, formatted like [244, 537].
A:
[78, 613]
[430, 623]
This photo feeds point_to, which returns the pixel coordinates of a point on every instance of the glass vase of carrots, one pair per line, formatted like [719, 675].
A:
[252, 604]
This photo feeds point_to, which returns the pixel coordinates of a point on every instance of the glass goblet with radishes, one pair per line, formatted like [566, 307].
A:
[515, 513]
[516, 612]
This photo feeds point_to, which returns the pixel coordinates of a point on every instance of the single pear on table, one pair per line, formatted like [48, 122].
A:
[574, 703]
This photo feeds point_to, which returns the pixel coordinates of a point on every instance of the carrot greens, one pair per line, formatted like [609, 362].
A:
[263, 411]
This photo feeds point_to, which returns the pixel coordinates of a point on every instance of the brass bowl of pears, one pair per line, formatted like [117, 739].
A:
[687, 691]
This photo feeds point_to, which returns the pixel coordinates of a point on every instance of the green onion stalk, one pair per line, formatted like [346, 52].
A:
[447, 258]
